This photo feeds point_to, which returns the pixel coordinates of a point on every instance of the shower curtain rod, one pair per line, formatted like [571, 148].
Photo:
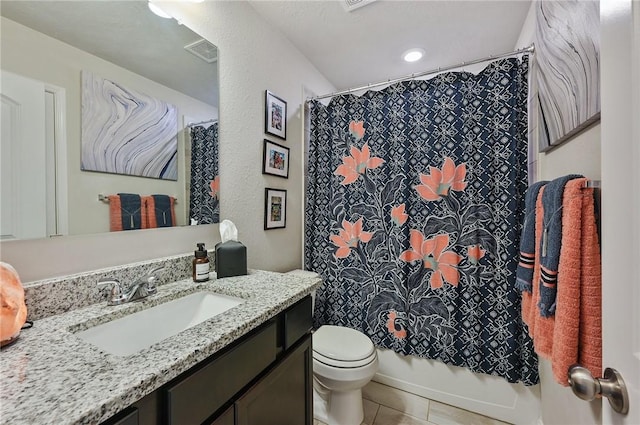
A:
[191, 124]
[529, 49]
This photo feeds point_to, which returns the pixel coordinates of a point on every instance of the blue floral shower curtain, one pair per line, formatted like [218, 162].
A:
[204, 192]
[415, 201]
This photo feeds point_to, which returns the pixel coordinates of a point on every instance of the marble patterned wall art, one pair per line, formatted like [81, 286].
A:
[567, 43]
[126, 132]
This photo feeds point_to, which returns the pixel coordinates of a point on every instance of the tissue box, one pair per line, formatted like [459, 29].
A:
[231, 259]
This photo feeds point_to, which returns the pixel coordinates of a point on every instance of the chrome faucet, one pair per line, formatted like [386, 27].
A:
[142, 287]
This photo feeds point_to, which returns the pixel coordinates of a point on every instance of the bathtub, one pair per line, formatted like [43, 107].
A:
[484, 394]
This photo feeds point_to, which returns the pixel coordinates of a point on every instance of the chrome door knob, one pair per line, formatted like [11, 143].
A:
[612, 386]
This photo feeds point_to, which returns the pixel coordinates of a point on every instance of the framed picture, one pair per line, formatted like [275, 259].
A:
[567, 70]
[126, 132]
[275, 117]
[275, 159]
[275, 209]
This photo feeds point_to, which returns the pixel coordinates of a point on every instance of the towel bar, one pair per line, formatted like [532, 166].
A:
[105, 198]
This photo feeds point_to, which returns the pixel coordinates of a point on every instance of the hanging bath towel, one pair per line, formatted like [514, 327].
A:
[127, 212]
[551, 243]
[578, 320]
[160, 211]
[524, 272]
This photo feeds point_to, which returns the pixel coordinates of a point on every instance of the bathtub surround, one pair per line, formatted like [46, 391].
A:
[415, 205]
[385, 405]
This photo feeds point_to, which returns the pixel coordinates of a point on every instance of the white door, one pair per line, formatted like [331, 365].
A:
[22, 181]
[621, 199]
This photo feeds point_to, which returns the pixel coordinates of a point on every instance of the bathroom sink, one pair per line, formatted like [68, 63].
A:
[132, 333]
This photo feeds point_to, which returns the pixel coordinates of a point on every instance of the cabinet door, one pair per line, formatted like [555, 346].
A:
[284, 396]
[195, 398]
[227, 418]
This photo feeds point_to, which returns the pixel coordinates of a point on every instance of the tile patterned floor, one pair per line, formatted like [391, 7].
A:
[384, 405]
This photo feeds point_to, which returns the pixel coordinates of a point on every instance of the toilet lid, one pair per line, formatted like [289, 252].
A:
[342, 344]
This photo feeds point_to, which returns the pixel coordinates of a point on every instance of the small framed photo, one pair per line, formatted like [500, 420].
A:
[275, 119]
[275, 159]
[275, 209]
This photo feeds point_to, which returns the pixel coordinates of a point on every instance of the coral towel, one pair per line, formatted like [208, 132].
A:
[160, 211]
[578, 330]
[127, 212]
[574, 334]
[551, 243]
[13, 310]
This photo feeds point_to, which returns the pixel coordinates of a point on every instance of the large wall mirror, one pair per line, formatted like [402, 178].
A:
[62, 58]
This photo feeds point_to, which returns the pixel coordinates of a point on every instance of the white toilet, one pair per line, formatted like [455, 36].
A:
[344, 361]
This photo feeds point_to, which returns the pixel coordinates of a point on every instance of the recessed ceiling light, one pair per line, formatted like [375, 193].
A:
[155, 9]
[413, 55]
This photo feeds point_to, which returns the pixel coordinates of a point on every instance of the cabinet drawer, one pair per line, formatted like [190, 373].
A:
[297, 321]
[126, 417]
[198, 396]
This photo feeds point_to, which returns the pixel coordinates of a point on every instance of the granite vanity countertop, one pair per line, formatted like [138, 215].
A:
[51, 376]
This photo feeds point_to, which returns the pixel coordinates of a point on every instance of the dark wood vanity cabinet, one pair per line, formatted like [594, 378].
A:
[264, 378]
[282, 397]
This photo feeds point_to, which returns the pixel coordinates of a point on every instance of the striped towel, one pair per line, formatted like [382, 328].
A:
[524, 273]
[127, 212]
[551, 243]
[574, 333]
[540, 328]
[160, 210]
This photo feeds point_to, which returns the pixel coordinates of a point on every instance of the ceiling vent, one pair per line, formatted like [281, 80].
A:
[351, 5]
[204, 50]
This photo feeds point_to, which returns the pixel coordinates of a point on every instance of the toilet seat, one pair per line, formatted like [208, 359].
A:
[341, 347]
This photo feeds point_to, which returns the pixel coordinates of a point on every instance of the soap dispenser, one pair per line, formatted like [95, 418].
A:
[200, 264]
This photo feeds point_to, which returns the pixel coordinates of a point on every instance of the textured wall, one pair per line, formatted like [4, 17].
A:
[579, 155]
[253, 58]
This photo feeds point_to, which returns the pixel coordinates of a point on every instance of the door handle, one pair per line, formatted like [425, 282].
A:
[612, 386]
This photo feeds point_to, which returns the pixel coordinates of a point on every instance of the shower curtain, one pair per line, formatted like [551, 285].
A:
[204, 199]
[415, 199]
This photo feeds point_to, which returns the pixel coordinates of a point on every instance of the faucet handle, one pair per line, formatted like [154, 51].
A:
[117, 296]
[153, 272]
[150, 279]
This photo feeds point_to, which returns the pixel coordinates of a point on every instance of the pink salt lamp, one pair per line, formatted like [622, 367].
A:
[13, 310]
